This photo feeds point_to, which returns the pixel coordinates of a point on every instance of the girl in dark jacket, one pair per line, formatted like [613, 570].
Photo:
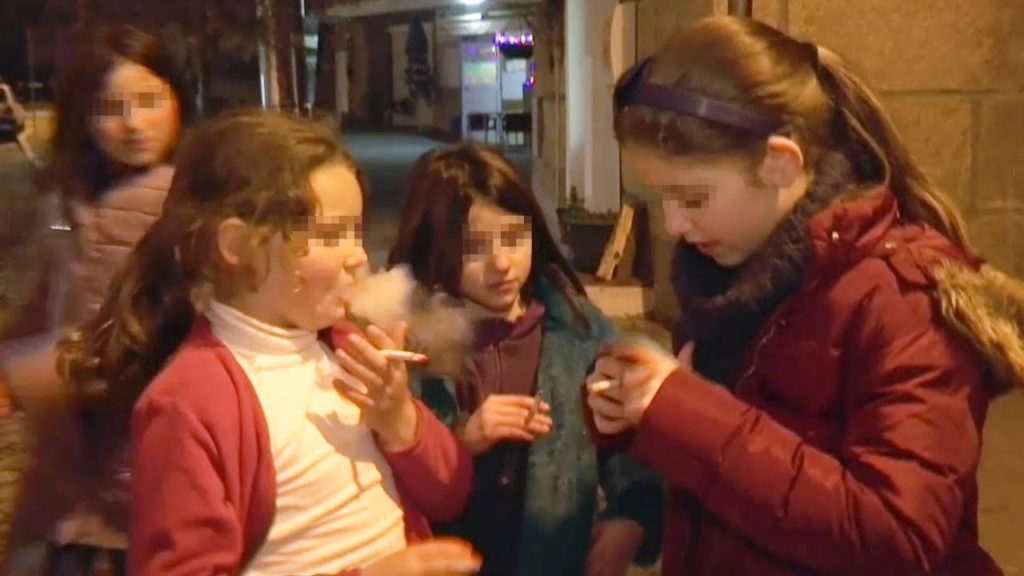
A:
[471, 227]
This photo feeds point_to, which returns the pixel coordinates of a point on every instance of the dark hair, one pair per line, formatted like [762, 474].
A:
[254, 166]
[443, 186]
[741, 65]
[78, 169]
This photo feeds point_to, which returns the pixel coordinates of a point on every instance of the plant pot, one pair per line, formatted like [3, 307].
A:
[586, 238]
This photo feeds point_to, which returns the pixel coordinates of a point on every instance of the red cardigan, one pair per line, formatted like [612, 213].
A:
[203, 479]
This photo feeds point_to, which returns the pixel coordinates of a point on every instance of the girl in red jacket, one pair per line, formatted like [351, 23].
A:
[842, 341]
[245, 456]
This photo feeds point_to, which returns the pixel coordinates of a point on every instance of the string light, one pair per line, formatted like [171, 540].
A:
[504, 39]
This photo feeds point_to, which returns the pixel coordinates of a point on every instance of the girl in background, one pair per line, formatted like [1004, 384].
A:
[471, 227]
[120, 108]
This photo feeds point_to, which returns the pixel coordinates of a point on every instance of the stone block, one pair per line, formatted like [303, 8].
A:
[920, 44]
[1000, 152]
[657, 20]
[938, 130]
[999, 236]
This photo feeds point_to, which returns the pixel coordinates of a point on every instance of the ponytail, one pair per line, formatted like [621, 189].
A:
[146, 316]
[877, 153]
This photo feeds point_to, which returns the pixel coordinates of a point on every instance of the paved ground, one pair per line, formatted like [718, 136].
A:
[387, 159]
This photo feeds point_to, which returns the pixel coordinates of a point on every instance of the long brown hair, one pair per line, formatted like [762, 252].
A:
[821, 104]
[78, 169]
[254, 166]
[442, 187]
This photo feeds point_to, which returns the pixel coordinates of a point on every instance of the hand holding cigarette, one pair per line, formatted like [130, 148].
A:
[505, 417]
[626, 378]
[379, 386]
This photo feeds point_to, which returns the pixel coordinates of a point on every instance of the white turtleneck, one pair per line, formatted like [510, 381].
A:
[337, 506]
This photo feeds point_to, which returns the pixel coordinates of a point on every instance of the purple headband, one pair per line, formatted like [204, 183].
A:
[633, 90]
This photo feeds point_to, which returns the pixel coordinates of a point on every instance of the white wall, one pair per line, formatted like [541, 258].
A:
[576, 72]
[592, 154]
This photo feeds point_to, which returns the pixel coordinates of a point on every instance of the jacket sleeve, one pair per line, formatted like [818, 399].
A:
[437, 472]
[181, 521]
[889, 501]
[635, 492]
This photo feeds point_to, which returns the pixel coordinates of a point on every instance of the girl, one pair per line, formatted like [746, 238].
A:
[245, 458]
[120, 108]
[471, 227]
[825, 416]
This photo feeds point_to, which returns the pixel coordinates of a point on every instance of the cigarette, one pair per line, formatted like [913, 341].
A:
[405, 356]
[533, 410]
[602, 386]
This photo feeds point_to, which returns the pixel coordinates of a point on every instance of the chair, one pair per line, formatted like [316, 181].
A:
[518, 123]
[482, 122]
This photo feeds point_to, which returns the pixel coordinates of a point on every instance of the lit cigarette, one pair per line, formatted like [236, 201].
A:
[405, 356]
[602, 386]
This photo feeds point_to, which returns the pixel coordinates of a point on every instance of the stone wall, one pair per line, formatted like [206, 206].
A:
[952, 75]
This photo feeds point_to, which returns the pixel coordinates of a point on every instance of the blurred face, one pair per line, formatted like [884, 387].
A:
[717, 207]
[304, 291]
[136, 118]
[496, 258]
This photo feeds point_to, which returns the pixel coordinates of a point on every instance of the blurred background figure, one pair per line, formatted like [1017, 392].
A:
[119, 112]
[13, 121]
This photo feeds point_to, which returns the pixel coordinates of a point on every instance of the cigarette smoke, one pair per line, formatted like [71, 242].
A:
[439, 326]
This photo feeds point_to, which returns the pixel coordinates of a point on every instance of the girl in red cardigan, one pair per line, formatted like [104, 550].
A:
[843, 340]
[257, 448]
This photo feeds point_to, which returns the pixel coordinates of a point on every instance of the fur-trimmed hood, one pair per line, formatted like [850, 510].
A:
[987, 307]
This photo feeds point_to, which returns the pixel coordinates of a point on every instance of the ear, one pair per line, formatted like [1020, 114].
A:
[783, 162]
[230, 239]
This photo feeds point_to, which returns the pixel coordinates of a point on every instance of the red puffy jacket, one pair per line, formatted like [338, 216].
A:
[850, 443]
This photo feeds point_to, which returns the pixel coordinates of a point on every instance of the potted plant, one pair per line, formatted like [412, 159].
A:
[585, 232]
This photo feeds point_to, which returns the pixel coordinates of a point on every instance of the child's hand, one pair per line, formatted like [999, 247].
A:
[636, 373]
[614, 544]
[506, 417]
[436, 557]
[380, 387]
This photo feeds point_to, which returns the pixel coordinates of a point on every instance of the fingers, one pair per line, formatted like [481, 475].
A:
[358, 371]
[516, 401]
[447, 556]
[635, 376]
[606, 408]
[608, 367]
[509, 432]
[609, 414]
[363, 352]
[497, 423]
[610, 427]
[518, 409]
[355, 392]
